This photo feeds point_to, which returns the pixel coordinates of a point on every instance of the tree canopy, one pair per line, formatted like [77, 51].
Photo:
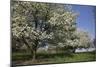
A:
[33, 23]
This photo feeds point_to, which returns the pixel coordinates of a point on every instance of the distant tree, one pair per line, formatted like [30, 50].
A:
[63, 28]
[84, 39]
[94, 42]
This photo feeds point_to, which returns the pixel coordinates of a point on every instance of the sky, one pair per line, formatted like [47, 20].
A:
[86, 19]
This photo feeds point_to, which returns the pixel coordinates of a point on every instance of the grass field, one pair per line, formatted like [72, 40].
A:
[46, 58]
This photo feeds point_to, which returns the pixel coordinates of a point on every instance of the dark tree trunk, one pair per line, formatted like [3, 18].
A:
[36, 41]
[34, 54]
[74, 50]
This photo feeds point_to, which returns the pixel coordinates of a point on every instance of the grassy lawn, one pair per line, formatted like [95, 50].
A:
[43, 58]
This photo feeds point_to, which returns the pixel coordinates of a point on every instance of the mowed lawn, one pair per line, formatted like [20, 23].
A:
[46, 58]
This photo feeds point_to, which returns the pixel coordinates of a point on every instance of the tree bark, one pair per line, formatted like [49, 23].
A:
[34, 54]
[35, 50]
[36, 41]
[74, 50]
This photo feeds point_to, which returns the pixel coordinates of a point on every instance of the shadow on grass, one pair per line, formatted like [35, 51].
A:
[53, 55]
[28, 56]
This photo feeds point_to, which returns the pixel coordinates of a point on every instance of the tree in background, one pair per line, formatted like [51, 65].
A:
[84, 39]
[94, 42]
[63, 27]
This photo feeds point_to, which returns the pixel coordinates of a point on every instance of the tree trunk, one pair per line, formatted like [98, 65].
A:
[36, 20]
[34, 55]
[74, 50]
[35, 50]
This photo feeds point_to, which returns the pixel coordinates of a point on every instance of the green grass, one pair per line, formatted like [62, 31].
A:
[43, 58]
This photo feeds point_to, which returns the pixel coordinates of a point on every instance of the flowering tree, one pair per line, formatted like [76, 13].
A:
[33, 23]
[84, 39]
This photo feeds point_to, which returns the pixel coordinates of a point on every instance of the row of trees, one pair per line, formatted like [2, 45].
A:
[36, 23]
